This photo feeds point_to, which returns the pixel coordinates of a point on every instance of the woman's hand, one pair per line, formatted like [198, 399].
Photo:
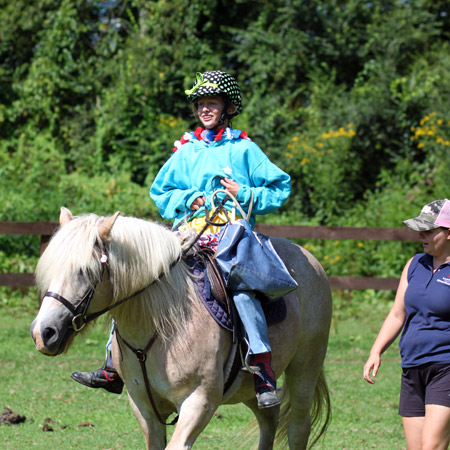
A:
[372, 364]
[230, 186]
[198, 203]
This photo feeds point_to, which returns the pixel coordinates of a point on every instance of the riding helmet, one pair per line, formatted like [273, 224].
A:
[216, 83]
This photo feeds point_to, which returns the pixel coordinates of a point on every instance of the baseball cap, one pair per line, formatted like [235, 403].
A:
[433, 215]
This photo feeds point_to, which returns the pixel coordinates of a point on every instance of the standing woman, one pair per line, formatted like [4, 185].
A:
[422, 310]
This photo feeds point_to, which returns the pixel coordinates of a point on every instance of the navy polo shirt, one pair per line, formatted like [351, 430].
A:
[426, 332]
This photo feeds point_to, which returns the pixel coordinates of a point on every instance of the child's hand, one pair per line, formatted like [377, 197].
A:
[230, 186]
[198, 203]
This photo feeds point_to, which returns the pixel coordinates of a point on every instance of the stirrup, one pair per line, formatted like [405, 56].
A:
[268, 399]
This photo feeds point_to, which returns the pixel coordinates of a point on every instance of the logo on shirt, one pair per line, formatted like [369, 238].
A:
[227, 170]
[444, 280]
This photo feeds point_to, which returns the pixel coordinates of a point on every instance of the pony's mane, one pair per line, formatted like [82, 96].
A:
[138, 252]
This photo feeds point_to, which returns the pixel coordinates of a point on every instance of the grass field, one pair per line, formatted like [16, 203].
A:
[40, 388]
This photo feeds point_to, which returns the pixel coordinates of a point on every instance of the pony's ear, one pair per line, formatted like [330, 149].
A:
[65, 216]
[104, 229]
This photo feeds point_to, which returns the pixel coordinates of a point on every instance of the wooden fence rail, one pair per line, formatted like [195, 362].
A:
[46, 229]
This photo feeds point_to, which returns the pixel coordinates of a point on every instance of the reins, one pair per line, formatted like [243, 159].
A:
[217, 210]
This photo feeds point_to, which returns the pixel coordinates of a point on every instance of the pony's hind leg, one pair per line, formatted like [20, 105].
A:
[301, 380]
[267, 421]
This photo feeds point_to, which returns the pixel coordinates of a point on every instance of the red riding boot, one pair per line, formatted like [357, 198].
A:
[265, 383]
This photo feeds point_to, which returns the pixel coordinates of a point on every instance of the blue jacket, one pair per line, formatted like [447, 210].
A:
[194, 170]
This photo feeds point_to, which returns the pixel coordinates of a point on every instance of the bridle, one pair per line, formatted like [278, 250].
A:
[80, 308]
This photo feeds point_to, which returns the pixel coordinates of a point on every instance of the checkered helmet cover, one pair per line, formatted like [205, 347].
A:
[215, 83]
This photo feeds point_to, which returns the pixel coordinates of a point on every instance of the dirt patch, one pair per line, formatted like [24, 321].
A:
[9, 417]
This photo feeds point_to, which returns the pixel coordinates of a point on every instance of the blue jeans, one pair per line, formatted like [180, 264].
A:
[252, 317]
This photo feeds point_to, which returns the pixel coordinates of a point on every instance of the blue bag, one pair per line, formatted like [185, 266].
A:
[250, 263]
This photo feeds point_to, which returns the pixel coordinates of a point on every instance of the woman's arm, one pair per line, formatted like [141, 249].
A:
[390, 329]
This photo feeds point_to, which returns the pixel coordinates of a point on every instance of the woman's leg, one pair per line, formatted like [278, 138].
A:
[436, 428]
[431, 432]
[412, 426]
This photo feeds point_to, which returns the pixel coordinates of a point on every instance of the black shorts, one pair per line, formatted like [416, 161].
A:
[424, 385]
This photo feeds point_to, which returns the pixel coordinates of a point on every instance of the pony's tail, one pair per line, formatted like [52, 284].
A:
[320, 413]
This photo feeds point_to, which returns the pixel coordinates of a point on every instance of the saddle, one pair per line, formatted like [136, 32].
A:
[215, 278]
[218, 299]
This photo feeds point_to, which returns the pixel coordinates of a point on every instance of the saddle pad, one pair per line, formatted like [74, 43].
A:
[275, 312]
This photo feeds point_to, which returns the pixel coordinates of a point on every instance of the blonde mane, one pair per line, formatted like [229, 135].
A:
[138, 252]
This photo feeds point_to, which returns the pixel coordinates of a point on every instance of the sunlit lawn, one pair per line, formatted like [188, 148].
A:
[40, 388]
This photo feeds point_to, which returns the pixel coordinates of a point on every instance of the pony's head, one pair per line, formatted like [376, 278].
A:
[69, 275]
[94, 262]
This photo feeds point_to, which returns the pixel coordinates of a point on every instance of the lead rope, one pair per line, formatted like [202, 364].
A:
[141, 355]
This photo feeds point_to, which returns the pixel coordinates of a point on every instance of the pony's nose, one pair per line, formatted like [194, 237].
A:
[46, 338]
[50, 338]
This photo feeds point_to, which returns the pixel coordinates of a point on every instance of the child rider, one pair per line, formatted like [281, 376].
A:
[185, 183]
[184, 186]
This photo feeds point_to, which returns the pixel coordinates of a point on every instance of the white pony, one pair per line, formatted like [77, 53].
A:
[171, 354]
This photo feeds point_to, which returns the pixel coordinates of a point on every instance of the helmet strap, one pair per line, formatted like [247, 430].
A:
[225, 114]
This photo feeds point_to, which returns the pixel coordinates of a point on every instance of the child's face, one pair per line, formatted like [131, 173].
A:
[209, 110]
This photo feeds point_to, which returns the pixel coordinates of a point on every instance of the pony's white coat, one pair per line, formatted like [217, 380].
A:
[186, 364]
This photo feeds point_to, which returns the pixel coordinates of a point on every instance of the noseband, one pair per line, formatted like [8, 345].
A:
[79, 310]
[79, 319]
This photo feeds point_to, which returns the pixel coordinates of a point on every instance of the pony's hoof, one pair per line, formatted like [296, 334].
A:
[100, 379]
[267, 399]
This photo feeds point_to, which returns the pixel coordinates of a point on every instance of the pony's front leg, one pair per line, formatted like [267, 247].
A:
[154, 431]
[195, 413]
